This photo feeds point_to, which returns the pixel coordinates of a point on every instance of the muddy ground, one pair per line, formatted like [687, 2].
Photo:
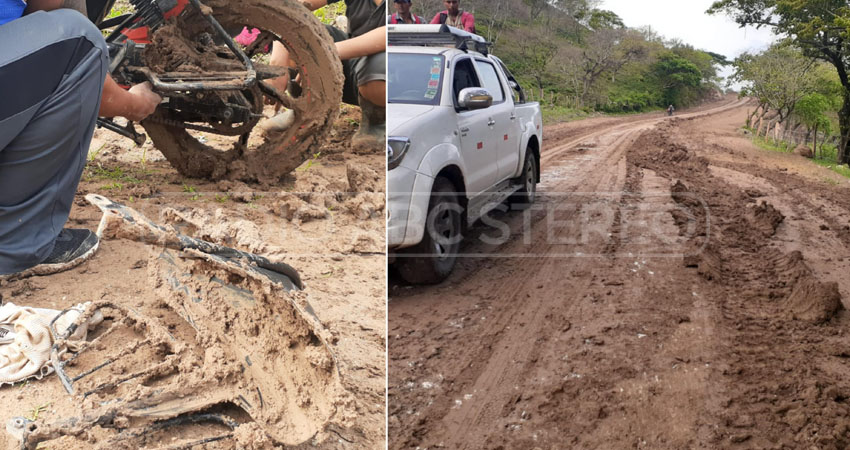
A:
[326, 219]
[675, 287]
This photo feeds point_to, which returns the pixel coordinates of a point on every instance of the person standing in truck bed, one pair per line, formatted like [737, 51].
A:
[453, 16]
[403, 14]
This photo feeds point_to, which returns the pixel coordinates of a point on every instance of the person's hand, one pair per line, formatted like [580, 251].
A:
[144, 101]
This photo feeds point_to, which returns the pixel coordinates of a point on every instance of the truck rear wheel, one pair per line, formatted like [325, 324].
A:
[432, 260]
[525, 196]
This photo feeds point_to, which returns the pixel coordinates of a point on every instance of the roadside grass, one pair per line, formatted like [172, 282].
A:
[556, 114]
[191, 190]
[765, 144]
[313, 162]
[116, 178]
[37, 410]
[842, 169]
[328, 14]
[553, 114]
[93, 154]
[826, 157]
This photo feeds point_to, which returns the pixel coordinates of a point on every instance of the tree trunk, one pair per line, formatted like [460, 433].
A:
[844, 127]
[815, 143]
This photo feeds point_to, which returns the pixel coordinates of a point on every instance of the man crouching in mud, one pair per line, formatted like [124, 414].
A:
[53, 85]
[363, 54]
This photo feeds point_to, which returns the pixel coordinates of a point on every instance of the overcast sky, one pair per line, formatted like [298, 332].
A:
[686, 20]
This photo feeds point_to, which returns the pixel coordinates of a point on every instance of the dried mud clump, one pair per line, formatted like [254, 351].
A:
[765, 219]
[172, 50]
[813, 301]
[292, 208]
[362, 178]
[366, 190]
[708, 262]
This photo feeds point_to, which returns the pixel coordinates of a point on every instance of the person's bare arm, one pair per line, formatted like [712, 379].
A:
[375, 41]
[50, 5]
[136, 104]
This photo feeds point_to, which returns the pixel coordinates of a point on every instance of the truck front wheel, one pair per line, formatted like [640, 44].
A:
[432, 260]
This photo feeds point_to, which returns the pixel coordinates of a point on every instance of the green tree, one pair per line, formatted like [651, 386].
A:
[820, 27]
[812, 111]
[678, 78]
[778, 78]
[601, 19]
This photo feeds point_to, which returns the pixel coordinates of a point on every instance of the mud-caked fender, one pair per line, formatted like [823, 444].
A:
[437, 159]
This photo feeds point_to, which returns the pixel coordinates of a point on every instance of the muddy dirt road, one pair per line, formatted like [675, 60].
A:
[675, 287]
[325, 219]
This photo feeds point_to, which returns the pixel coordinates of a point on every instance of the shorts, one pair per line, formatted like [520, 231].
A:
[359, 71]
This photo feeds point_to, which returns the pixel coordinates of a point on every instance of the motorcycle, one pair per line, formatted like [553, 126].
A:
[213, 86]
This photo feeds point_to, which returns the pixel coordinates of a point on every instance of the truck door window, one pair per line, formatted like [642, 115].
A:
[491, 80]
[518, 94]
[464, 77]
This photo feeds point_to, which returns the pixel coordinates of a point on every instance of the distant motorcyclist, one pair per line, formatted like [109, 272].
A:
[670, 110]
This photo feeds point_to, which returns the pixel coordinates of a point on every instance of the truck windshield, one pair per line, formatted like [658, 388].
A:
[414, 78]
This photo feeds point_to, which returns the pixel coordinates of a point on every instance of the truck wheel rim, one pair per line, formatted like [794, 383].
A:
[444, 233]
[530, 186]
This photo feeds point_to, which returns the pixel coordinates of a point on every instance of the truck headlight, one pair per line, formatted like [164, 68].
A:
[396, 149]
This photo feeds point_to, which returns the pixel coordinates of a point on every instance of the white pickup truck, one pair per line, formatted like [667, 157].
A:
[461, 140]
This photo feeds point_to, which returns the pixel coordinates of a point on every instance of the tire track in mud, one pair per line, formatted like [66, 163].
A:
[484, 367]
[780, 378]
[501, 364]
[499, 327]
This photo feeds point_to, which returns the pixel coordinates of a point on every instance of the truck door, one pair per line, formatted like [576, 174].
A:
[502, 121]
[480, 155]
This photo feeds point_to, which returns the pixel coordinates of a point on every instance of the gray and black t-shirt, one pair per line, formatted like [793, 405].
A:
[364, 15]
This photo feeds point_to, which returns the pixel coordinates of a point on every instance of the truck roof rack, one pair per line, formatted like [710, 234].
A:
[436, 36]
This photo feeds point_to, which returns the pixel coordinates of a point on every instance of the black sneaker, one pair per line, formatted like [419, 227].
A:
[73, 247]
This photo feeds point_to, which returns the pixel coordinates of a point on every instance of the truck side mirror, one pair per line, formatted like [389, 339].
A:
[474, 98]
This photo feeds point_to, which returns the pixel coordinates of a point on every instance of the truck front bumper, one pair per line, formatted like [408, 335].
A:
[408, 194]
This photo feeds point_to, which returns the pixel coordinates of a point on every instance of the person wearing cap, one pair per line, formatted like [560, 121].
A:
[453, 16]
[403, 14]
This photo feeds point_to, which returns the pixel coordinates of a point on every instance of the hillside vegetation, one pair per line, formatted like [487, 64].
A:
[570, 54]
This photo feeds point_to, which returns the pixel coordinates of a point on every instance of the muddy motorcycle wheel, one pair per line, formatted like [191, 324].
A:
[316, 108]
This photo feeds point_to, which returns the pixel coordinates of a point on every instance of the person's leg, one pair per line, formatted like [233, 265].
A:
[371, 78]
[375, 92]
[52, 78]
